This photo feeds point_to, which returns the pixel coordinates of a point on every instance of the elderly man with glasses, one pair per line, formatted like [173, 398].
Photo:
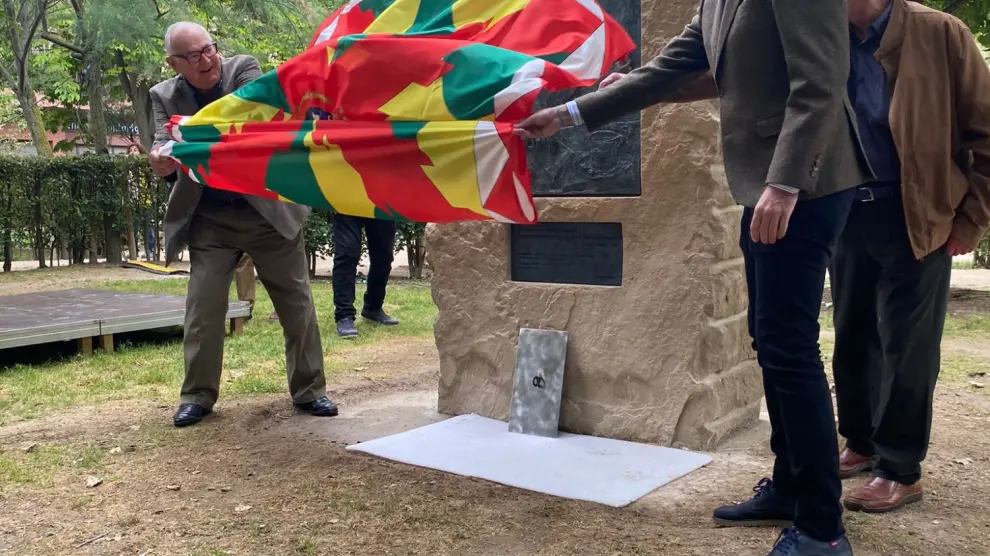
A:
[219, 227]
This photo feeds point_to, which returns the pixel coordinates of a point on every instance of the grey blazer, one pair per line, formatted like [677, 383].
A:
[780, 69]
[175, 97]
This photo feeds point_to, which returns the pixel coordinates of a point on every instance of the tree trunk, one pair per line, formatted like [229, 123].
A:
[981, 255]
[97, 110]
[415, 254]
[94, 245]
[8, 250]
[143, 114]
[138, 91]
[32, 118]
[129, 217]
[39, 241]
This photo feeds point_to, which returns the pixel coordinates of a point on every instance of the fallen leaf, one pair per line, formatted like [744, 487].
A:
[30, 447]
[975, 384]
[242, 508]
[116, 450]
[964, 461]
[360, 369]
[978, 374]
[334, 521]
[93, 482]
[224, 489]
[173, 487]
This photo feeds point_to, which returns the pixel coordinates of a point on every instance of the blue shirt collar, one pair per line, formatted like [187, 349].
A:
[877, 28]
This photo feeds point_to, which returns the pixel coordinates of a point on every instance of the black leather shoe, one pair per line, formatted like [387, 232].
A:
[766, 509]
[320, 407]
[190, 414]
[346, 328]
[380, 317]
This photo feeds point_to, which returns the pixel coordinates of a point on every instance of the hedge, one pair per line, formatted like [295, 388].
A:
[89, 206]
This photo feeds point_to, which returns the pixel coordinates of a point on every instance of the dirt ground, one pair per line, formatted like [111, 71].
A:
[258, 479]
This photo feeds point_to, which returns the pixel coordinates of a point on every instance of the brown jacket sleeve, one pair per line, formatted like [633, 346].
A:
[972, 97]
[682, 61]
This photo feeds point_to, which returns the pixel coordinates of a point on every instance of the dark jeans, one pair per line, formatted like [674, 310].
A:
[786, 282]
[889, 313]
[347, 254]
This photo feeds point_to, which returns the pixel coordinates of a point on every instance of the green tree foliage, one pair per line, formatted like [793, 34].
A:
[20, 22]
[975, 13]
[52, 203]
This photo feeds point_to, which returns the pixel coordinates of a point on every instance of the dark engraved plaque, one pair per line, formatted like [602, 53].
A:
[587, 253]
[606, 163]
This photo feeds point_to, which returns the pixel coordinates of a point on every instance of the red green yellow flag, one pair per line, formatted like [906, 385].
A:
[403, 109]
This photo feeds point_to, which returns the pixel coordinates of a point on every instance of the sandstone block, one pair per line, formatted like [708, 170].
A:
[663, 358]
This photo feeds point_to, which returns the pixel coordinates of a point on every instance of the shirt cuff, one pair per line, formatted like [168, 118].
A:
[575, 114]
[787, 188]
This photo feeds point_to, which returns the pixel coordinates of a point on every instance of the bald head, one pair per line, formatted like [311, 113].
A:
[179, 35]
[191, 52]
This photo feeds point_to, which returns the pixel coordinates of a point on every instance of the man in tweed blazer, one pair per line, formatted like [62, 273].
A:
[792, 158]
[219, 227]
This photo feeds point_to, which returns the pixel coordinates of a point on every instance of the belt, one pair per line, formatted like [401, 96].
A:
[868, 193]
[224, 201]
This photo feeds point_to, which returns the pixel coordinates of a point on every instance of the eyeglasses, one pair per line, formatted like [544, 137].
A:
[195, 57]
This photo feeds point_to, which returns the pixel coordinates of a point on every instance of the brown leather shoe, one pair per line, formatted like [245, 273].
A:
[852, 464]
[881, 495]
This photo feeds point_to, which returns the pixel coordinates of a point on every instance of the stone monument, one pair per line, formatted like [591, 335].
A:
[636, 257]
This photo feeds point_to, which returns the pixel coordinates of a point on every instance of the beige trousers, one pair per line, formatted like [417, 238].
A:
[219, 239]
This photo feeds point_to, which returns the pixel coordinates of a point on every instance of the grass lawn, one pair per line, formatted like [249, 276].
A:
[260, 478]
[149, 365]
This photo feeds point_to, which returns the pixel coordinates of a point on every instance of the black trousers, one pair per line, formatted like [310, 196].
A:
[347, 254]
[786, 282]
[889, 313]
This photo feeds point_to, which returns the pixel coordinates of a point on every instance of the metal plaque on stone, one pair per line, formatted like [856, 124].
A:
[605, 163]
[538, 382]
[587, 253]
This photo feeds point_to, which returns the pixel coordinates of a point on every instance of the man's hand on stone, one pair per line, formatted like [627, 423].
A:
[162, 165]
[955, 247]
[771, 215]
[545, 123]
[612, 79]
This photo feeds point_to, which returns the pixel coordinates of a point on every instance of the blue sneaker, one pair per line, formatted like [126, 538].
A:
[793, 542]
[768, 508]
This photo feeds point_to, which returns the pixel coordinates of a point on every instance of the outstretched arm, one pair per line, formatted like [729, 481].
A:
[680, 63]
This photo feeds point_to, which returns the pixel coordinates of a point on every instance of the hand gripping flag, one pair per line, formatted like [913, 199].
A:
[403, 109]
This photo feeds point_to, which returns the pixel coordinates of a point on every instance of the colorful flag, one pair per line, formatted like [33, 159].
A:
[403, 109]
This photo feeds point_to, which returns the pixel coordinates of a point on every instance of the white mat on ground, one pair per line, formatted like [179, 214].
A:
[602, 470]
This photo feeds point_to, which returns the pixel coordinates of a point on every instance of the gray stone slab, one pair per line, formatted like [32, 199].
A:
[538, 382]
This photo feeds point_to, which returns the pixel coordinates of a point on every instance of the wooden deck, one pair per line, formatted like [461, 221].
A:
[82, 315]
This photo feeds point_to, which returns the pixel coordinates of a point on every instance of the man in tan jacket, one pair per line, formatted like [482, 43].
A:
[219, 228]
[921, 92]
